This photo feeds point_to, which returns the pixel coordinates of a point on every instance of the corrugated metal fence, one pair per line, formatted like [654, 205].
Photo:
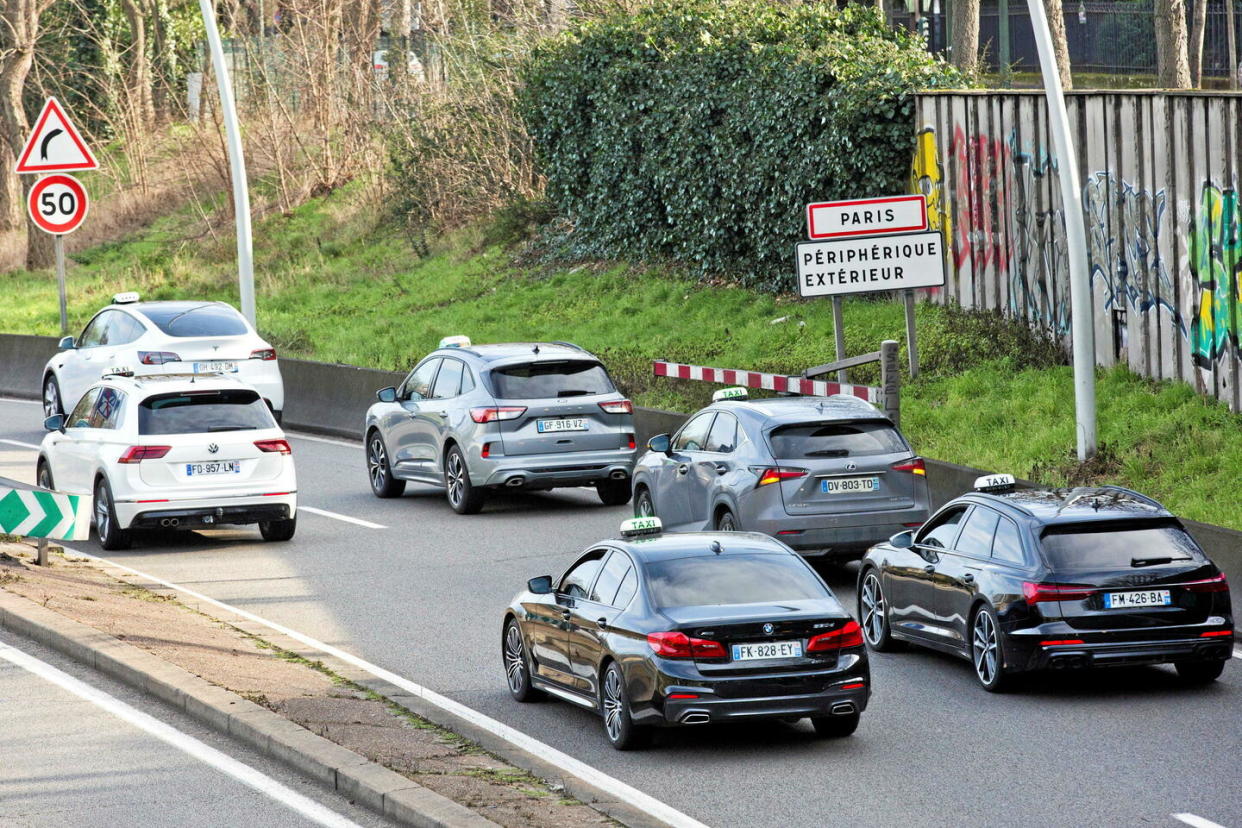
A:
[1159, 173]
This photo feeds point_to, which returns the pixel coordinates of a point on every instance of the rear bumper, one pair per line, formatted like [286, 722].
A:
[547, 471]
[828, 536]
[1033, 655]
[707, 710]
[205, 514]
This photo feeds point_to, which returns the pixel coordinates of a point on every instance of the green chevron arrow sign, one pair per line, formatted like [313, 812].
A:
[35, 513]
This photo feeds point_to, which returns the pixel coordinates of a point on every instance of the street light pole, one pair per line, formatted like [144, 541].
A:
[241, 191]
[1083, 326]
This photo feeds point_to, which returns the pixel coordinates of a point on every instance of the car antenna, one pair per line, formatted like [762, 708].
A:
[536, 349]
[716, 547]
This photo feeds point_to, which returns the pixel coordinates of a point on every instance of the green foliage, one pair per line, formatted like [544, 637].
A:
[964, 337]
[697, 130]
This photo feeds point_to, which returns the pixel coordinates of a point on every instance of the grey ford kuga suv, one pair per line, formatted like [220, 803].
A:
[528, 416]
[828, 476]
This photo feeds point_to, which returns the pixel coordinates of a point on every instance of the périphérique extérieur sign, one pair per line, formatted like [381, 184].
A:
[872, 264]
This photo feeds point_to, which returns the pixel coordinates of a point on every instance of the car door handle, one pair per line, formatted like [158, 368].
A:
[565, 614]
[968, 578]
[443, 413]
[602, 622]
[721, 468]
[929, 569]
[683, 468]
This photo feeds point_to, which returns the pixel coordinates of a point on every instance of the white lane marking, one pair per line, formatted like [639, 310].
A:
[19, 444]
[614, 787]
[332, 441]
[325, 513]
[20, 400]
[1196, 821]
[1237, 653]
[184, 742]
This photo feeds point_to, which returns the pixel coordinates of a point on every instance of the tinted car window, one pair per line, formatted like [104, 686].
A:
[107, 411]
[548, 380]
[448, 381]
[467, 381]
[418, 384]
[731, 578]
[943, 532]
[122, 329]
[200, 412]
[625, 592]
[1008, 543]
[976, 537]
[836, 440]
[723, 436]
[81, 415]
[196, 320]
[577, 581]
[693, 436]
[1117, 546]
[92, 335]
[610, 578]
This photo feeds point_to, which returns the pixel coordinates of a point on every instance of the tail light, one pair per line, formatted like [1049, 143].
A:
[915, 466]
[848, 636]
[157, 357]
[266, 354]
[1216, 634]
[775, 474]
[497, 413]
[1062, 642]
[631, 443]
[1037, 593]
[281, 446]
[1217, 584]
[486, 451]
[618, 407]
[136, 454]
[679, 645]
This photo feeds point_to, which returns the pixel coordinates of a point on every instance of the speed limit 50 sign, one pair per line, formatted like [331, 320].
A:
[57, 204]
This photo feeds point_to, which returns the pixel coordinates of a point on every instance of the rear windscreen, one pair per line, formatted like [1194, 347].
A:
[545, 380]
[726, 579]
[198, 320]
[197, 413]
[1126, 546]
[836, 440]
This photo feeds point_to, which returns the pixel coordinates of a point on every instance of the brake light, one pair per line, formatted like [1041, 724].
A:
[1060, 642]
[683, 695]
[631, 443]
[1037, 593]
[775, 474]
[618, 407]
[1217, 584]
[266, 354]
[679, 645]
[848, 636]
[497, 413]
[136, 454]
[914, 466]
[1216, 634]
[486, 451]
[157, 357]
[858, 685]
[281, 446]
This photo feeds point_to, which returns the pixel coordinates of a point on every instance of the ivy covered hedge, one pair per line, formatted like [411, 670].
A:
[697, 130]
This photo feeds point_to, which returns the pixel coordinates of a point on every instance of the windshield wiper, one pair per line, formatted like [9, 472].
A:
[829, 453]
[1156, 561]
[573, 392]
[230, 428]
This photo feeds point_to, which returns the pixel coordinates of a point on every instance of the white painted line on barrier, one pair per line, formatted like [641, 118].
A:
[1237, 653]
[22, 400]
[356, 521]
[1196, 821]
[621, 791]
[19, 444]
[184, 742]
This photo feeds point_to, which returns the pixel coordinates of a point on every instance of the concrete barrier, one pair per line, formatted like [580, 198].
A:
[330, 399]
[21, 363]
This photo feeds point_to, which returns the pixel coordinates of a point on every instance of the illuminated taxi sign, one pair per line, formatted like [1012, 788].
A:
[455, 342]
[737, 393]
[639, 526]
[127, 298]
[995, 483]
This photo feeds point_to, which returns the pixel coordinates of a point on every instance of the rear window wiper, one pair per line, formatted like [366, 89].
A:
[829, 453]
[573, 392]
[1156, 561]
[230, 428]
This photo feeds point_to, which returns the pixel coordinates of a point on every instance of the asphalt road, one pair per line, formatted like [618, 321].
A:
[422, 597]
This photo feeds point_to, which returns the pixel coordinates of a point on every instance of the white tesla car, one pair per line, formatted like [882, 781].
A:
[162, 338]
[172, 451]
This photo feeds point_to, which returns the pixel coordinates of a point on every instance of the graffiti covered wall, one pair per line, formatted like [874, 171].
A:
[1159, 173]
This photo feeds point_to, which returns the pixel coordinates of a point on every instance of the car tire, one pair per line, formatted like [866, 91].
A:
[278, 530]
[726, 522]
[614, 705]
[1199, 672]
[614, 492]
[873, 613]
[53, 404]
[836, 727]
[463, 496]
[517, 664]
[111, 536]
[987, 651]
[379, 469]
[43, 476]
[644, 506]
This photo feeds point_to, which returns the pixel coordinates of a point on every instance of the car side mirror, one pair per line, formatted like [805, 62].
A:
[902, 540]
[66, 344]
[660, 443]
[56, 422]
[541, 585]
[388, 394]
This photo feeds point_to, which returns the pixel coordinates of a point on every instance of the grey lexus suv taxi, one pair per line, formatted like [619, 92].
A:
[473, 418]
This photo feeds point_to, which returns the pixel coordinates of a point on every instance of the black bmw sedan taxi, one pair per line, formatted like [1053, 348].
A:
[1018, 581]
[657, 630]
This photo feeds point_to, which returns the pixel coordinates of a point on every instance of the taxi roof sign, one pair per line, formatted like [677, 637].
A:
[455, 342]
[639, 526]
[126, 298]
[735, 393]
[995, 483]
[118, 371]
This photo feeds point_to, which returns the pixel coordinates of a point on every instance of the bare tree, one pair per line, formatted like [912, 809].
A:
[1056, 22]
[1173, 66]
[1198, 23]
[966, 35]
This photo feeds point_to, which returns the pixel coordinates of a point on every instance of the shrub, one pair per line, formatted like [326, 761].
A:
[697, 130]
[962, 338]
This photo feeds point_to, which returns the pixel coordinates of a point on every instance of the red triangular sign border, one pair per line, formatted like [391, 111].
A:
[23, 167]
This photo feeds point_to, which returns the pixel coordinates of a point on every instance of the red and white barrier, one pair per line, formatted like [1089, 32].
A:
[771, 382]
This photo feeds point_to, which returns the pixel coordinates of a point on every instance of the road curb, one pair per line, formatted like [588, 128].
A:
[352, 775]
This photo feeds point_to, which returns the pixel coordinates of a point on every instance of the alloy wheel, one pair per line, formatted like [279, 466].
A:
[726, 523]
[612, 704]
[985, 647]
[45, 477]
[102, 515]
[515, 659]
[377, 464]
[51, 399]
[645, 508]
[873, 609]
[455, 473]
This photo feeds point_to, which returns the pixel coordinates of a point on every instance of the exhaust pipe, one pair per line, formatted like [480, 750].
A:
[842, 708]
[514, 482]
[695, 718]
[618, 474]
[169, 523]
